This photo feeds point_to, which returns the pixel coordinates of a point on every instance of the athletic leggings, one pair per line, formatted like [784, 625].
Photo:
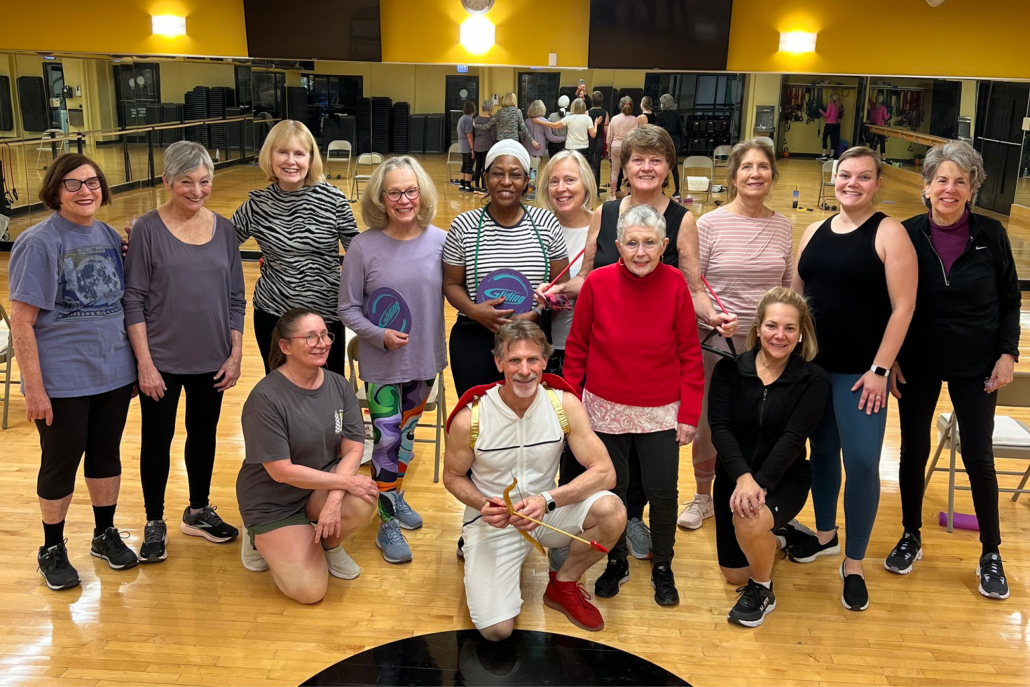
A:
[265, 322]
[471, 347]
[480, 167]
[846, 430]
[468, 162]
[917, 410]
[84, 424]
[157, 428]
[395, 411]
[616, 177]
[832, 132]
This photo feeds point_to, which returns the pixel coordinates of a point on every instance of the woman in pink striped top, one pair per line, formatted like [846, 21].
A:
[745, 250]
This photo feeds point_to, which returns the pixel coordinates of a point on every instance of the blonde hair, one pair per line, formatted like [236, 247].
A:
[282, 134]
[586, 177]
[509, 100]
[578, 107]
[373, 210]
[736, 158]
[536, 109]
[807, 346]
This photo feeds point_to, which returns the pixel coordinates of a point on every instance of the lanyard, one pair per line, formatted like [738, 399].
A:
[479, 233]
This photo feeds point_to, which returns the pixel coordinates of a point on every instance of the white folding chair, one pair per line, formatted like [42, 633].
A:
[338, 147]
[370, 160]
[829, 176]
[7, 360]
[721, 156]
[47, 146]
[696, 162]
[453, 160]
[1011, 440]
[437, 403]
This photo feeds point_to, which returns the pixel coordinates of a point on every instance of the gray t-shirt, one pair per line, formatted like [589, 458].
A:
[73, 274]
[415, 270]
[282, 421]
[465, 128]
[190, 296]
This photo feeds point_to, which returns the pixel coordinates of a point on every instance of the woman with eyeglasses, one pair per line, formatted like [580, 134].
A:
[401, 250]
[77, 368]
[504, 234]
[299, 492]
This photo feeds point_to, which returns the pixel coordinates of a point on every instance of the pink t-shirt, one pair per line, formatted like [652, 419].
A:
[743, 257]
[618, 127]
[878, 115]
[832, 113]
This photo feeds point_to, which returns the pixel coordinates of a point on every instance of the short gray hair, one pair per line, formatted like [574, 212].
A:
[668, 102]
[963, 155]
[643, 216]
[521, 330]
[488, 104]
[185, 157]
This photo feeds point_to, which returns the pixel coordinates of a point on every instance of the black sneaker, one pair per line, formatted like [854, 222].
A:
[791, 534]
[461, 548]
[754, 604]
[664, 584]
[613, 577]
[855, 596]
[206, 523]
[905, 554]
[992, 577]
[112, 549]
[155, 536]
[55, 567]
[808, 548]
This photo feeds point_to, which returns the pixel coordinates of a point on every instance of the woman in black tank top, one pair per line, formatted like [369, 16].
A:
[646, 116]
[858, 271]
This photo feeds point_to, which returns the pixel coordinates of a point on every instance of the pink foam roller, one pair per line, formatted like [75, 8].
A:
[961, 521]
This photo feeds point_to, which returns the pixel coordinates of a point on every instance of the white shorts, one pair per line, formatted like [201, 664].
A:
[494, 557]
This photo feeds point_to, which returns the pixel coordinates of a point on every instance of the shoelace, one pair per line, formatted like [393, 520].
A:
[993, 569]
[208, 515]
[393, 532]
[155, 534]
[749, 594]
[400, 505]
[59, 556]
[115, 536]
[906, 547]
[663, 573]
[696, 506]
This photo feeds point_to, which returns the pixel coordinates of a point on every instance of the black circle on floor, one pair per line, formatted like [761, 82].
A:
[463, 657]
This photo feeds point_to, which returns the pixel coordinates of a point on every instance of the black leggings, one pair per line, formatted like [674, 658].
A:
[594, 155]
[480, 167]
[265, 322]
[675, 172]
[203, 406]
[467, 163]
[975, 410]
[471, 347]
[84, 424]
[832, 132]
[660, 452]
[570, 468]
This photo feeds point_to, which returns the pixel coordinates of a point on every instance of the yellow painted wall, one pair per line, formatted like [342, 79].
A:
[760, 89]
[428, 31]
[976, 38]
[213, 27]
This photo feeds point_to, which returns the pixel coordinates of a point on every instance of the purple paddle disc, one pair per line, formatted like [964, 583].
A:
[512, 285]
[388, 310]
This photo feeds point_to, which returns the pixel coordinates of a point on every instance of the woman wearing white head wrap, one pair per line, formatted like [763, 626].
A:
[503, 234]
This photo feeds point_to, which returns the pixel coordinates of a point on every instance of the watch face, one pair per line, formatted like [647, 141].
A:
[477, 6]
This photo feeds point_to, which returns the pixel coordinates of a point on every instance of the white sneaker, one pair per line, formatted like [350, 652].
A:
[696, 511]
[252, 560]
[341, 565]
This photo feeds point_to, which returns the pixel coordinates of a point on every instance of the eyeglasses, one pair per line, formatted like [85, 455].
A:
[73, 185]
[312, 339]
[649, 245]
[410, 194]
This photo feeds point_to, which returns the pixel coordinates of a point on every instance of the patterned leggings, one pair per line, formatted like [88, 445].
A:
[395, 410]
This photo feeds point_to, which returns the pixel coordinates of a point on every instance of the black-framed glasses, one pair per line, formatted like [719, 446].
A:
[410, 194]
[312, 339]
[73, 185]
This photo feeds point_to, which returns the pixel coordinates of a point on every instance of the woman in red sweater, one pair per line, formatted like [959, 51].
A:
[639, 311]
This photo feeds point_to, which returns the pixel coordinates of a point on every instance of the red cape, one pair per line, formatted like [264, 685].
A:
[553, 381]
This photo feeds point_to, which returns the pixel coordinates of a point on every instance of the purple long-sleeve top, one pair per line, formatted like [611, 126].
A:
[541, 134]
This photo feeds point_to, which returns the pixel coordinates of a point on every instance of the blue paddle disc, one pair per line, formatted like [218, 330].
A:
[388, 310]
[509, 284]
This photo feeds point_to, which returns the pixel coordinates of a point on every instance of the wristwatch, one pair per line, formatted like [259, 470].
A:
[549, 503]
[879, 371]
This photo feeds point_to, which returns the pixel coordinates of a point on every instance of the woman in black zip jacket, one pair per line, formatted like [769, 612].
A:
[965, 332]
[762, 408]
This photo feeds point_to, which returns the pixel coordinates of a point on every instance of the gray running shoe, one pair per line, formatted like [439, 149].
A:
[638, 538]
[391, 542]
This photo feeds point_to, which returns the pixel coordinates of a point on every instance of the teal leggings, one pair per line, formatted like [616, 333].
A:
[847, 431]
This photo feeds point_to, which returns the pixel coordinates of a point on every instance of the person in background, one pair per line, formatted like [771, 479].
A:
[553, 147]
[646, 115]
[401, 250]
[508, 121]
[621, 124]
[969, 298]
[182, 253]
[670, 120]
[465, 145]
[831, 129]
[859, 272]
[539, 134]
[299, 222]
[483, 140]
[600, 116]
[579, 128]
[763, 406]
[879, 116]
[78, 374]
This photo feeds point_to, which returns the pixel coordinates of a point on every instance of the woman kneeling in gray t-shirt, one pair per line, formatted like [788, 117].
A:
[304, 439]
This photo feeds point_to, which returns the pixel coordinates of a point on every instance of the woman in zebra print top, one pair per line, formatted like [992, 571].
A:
[299, 222]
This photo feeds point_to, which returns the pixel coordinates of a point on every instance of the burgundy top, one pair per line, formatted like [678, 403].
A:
[950, 241]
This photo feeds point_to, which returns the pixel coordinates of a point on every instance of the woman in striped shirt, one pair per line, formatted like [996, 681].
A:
[745, 250]
[299, 222]
[507, 234]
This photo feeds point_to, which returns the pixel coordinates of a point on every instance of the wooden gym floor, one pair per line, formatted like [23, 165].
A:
[199, 618]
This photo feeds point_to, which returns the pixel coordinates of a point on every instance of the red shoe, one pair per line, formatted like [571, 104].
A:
[570, 598]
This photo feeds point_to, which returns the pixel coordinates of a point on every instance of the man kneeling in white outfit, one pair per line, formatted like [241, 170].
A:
[517, 428]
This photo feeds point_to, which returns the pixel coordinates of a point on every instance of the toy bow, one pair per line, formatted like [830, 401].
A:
[533, 541]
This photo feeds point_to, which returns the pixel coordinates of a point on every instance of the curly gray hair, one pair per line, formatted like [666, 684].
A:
[643, 216]
[962, 154]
